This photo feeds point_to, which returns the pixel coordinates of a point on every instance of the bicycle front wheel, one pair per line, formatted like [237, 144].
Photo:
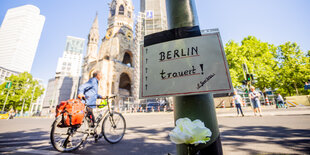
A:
[113, 127]
[67, 139]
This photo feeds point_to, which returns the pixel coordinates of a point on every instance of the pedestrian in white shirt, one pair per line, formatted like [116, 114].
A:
[238, 101]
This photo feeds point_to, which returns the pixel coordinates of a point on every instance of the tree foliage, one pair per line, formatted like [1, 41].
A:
[24, 89]
[293, 69]
[284, 68]
[257, 55]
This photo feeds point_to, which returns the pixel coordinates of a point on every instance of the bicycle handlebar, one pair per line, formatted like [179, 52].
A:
[107, 97]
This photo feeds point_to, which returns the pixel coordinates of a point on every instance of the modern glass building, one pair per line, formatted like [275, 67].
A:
[19, 37]
[71, 62]
[65, 83]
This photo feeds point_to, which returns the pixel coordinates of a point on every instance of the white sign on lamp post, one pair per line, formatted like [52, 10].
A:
[183, 67]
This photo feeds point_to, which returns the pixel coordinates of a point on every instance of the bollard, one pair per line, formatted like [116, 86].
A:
[182, 13]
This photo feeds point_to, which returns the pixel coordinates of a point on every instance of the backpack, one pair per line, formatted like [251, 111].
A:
[71, 111]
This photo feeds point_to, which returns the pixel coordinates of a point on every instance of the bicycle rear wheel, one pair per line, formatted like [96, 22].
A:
[113, 127]
[67, 139]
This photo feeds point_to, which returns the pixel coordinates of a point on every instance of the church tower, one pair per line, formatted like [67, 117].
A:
[93, 40]
[92, 50]
[121, 13]
[117, 57]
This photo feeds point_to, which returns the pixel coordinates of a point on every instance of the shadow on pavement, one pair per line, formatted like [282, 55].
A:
[144, 145]
[29, 139]
[141, 145]
[295, 139]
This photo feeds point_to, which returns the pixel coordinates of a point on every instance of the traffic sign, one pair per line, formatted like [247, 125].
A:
[186, 66]
[8, 85]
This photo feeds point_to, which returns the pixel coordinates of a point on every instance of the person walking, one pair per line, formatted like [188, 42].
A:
[11, 114]
[254, 96]
[280, 101]
[237, 100]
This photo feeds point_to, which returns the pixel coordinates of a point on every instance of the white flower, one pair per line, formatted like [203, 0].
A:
[189, 132]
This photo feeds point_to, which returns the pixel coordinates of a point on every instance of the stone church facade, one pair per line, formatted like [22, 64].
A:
[117, 57]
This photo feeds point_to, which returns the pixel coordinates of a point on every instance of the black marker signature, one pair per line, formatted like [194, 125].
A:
[202, 83]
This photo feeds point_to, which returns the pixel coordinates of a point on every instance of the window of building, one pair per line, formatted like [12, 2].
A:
[125, 84]
[112, 88]
[112, 10]
[127, 59]
[121, 10]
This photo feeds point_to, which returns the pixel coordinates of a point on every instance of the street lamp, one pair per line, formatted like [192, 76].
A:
[31, 105]
[30, 109]
[22, 111]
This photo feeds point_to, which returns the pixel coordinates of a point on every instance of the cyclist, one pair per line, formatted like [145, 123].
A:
[89, 92]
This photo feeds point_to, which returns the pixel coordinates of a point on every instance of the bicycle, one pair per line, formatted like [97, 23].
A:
[67, 139]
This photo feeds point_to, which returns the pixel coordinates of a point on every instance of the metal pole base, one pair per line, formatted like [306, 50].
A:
[199, 107]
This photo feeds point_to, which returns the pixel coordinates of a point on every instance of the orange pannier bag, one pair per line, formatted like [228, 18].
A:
[72, 112]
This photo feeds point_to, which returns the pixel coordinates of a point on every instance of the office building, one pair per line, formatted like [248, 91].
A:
[4, 73]
[71, 61]
[66, 81]
[60, 88]
[152, 17]
[19, 37]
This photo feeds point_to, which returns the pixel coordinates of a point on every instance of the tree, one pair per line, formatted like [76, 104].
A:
[24, 88]
[259, 58]
[293, 69]
[284, 67]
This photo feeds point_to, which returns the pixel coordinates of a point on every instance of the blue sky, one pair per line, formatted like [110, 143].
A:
[272, 21]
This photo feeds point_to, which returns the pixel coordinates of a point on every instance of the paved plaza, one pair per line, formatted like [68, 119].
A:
[279, 131]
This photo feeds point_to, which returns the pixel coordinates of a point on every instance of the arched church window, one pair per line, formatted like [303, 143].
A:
[112, 10]
[112, 91]
[125, 84]
[127, 59]
[107, 57]
[121, 10]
